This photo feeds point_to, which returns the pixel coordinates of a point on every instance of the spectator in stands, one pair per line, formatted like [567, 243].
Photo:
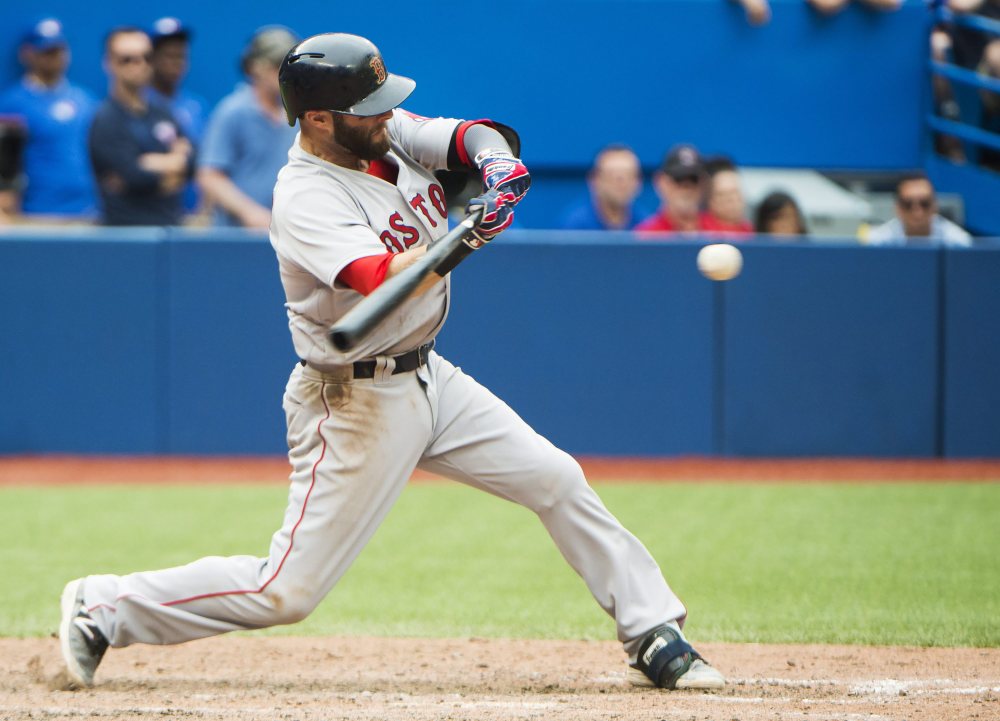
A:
[13, 135]
[613, 182]
[248, 136]
[989, 67]
[680, 184]
[969, 43]
[945, 104]
[726, 206]
[917, 220]
[54, 115]
[831, 7]
[779, 215]
[139, 152]
[758, 12]
[171, 61]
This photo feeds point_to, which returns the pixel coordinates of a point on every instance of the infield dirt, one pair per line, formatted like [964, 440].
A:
[354, 679]
[478, 679]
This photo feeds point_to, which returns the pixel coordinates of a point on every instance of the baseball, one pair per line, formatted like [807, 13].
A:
[720, 261]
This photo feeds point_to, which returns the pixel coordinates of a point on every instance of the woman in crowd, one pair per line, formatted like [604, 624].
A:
[779, 214]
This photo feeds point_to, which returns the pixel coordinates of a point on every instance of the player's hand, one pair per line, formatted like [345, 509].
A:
[498, 216]
[504, 173]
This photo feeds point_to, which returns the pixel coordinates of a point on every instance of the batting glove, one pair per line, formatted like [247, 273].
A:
[498, 216]
[503, 172]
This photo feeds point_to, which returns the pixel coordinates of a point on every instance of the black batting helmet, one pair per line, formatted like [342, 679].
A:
[339, 72]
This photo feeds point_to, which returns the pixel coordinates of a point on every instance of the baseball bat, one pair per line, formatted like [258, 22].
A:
[363, 318]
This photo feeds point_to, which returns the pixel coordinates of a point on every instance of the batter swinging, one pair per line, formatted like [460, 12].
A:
[357, 203]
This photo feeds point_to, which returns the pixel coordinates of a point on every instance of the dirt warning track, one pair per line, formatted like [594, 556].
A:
[71, 470]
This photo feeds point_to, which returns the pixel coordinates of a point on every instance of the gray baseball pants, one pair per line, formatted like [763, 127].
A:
[353, 445]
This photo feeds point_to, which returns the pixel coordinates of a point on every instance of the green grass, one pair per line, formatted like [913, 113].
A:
[863, 564]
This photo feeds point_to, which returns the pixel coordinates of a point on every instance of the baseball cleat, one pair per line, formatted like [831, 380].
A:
[80, 640]
[666, 660]
[700, 677]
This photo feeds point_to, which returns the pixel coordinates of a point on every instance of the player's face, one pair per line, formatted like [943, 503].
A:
[367, 138]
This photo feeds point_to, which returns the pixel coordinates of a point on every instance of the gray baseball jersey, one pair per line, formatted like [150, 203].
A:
[330, 216]
[355, 440]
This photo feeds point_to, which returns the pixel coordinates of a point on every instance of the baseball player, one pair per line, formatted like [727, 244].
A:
[357, 203]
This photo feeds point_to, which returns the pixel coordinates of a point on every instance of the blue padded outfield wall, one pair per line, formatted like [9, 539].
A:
[171, 341]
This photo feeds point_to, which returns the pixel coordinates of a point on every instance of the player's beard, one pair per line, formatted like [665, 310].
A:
[361, 141]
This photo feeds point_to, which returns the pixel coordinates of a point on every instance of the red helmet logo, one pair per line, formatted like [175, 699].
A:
[379, 67]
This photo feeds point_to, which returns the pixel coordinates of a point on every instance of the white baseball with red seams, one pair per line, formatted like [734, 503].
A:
[353, 443]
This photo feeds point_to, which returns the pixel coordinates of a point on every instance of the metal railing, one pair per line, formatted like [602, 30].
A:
[958, 128]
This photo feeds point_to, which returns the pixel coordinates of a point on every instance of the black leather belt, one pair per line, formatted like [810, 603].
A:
[404, 363]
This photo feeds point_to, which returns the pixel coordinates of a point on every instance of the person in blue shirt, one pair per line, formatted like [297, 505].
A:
[139, 152]
[171, 61]
[614, 181]
[247, 139]
[55, 115]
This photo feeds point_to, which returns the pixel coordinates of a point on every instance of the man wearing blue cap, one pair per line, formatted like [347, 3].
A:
[56, 115]
[171, 52]
[171, 47]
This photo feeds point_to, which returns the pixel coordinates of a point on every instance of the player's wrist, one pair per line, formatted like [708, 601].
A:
[503, 172]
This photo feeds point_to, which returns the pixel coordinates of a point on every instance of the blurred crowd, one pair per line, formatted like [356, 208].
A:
[150, 153]
[153, 153]
[703, 197]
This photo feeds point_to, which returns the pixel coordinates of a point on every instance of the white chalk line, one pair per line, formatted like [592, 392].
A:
[872, 687]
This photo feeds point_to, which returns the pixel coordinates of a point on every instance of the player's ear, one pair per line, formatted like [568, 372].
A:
[319, 119]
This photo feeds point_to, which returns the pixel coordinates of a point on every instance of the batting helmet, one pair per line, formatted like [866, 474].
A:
[341, 73]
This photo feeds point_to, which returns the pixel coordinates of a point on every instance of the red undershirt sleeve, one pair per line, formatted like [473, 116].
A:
[366, 274]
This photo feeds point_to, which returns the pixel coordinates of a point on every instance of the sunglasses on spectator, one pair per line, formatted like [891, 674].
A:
[688, 180]
[144, 59]
[911, 203]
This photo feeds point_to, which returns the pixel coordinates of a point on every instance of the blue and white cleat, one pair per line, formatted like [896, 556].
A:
[667, 660]
[80, 640]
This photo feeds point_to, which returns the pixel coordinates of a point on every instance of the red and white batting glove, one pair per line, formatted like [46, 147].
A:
[504, 173]
[497, 217]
